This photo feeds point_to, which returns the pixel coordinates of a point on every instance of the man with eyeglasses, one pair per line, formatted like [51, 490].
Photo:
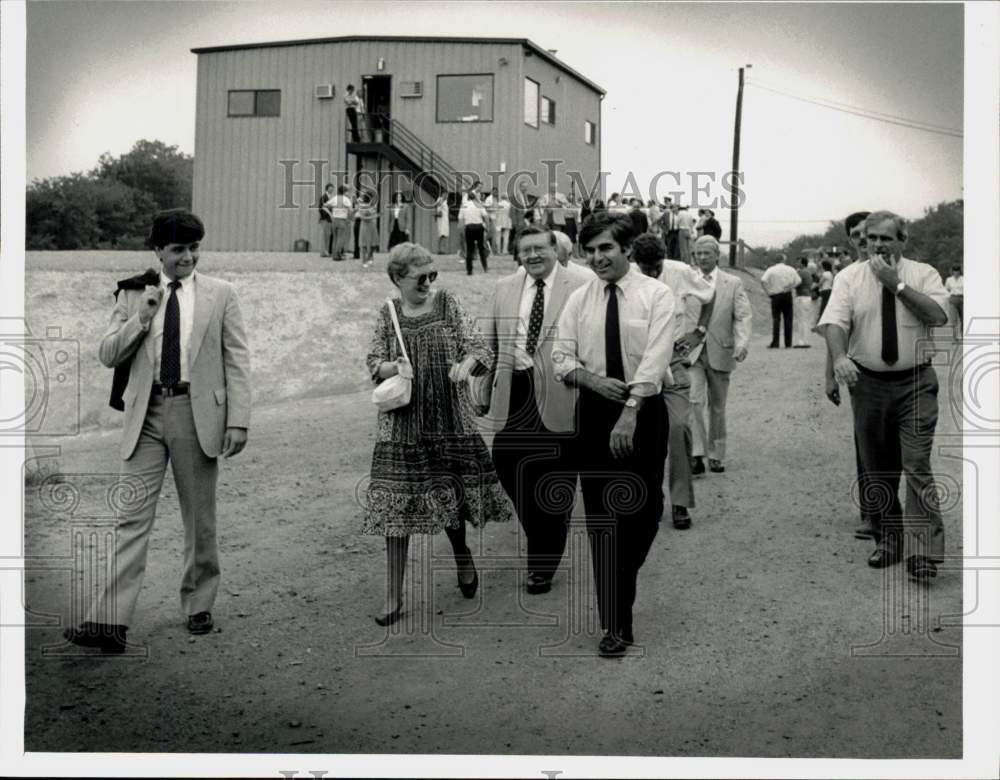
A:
[531, 411]
[878, 330]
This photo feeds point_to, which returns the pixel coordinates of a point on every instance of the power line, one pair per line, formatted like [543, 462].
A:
[913, 124]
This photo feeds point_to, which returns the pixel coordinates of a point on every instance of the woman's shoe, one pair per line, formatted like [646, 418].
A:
[469, 588]
[390, 617]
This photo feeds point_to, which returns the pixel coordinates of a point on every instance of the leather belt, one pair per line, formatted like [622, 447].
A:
[890, 376]
[181, 388]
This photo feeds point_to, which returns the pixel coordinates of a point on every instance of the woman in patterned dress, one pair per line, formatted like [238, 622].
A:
[431, 470]
[368, 233]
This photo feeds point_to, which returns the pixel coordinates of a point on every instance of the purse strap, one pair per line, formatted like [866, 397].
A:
[395, 325]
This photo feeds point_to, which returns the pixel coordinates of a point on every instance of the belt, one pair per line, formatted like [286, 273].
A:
[181, 388]
[889, 376]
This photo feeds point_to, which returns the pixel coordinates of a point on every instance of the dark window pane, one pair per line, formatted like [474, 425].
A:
[465, 98]
[269, 102]
[241, 102]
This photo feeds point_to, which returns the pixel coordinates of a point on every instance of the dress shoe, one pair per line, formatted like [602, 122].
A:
[109, 638]
[538, 583]
[715, 466]
[201, 623]
[697, 465]
[681, 517]
[920, 567]
[614, 645]
[865, 530]
[469, 588]
[390, 617]
[772, 346]
[884, 556]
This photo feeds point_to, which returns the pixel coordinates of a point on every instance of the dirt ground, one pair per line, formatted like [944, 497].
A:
[761, 630]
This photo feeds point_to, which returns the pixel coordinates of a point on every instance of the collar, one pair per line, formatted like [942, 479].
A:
[711, 277]
[185, 282]
[627, 280]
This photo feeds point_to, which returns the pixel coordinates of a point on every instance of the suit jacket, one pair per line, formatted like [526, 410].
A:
[120, 379]
[730, 323]
[404, 218]
[556, 401]
[218, 363]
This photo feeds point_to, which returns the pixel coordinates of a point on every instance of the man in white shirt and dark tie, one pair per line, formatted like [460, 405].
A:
[614, 343]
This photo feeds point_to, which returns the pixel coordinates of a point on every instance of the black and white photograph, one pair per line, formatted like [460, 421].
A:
[499, 389]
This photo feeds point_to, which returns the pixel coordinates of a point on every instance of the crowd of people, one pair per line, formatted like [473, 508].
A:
[590, 375]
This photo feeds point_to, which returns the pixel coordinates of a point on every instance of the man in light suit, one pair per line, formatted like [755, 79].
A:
[187, 402]
[723, 344]
[531, 411]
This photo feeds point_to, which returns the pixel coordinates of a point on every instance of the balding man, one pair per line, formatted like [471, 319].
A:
[725, 344]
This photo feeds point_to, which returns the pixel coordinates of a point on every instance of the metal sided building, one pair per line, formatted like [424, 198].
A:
[272, 130]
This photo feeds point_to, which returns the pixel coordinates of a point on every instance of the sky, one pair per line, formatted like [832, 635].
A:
[101, 75]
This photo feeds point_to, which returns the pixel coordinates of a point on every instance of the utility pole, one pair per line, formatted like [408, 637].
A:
[734, 183]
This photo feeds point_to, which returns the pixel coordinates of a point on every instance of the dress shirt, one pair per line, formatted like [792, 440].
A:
[522, 359]
[826, 281]
[856, 306]
[708, 279]
[954, 286]
[646, 315]
[471, 214]
[185, 299]
[684, 280]
[685, 221]
[780, 278]
[340, 207]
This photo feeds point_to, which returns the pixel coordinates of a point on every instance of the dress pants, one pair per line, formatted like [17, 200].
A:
[684, 246]
[168, 435]
[534, 468]
[677, 400]
[895, 414]
[802, 320]
[326, 230]
[357, 240]
[708, 388]
[781, 308]
[475, 237]
[341, 233]
[672, 249]
[623, 500]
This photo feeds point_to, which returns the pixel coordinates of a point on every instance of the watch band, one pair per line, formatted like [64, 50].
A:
[900, 287]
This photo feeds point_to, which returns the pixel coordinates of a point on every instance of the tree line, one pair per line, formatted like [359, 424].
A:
[112, 206]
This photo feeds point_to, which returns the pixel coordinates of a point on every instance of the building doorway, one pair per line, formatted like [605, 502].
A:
[377, 94]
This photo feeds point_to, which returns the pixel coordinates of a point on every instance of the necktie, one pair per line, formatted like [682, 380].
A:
[612, 337]
[170, 354]
[535, 318]
[890, 346]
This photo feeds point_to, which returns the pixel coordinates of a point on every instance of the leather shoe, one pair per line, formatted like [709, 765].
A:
[614, 645]
[920, 567]
[469, 588]
[715, 466]
[681, 517]
[884, 556]
[201, 623]
[697, 465]
[390, 617]
[109, 638]
[865, 530]
[538, 583]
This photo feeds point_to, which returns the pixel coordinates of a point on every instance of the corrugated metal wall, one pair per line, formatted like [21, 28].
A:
[245, 193]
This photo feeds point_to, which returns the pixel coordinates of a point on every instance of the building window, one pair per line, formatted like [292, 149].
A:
[548, 110]
[589, 132]
[466, 98]
[530, 102]
[254, 102]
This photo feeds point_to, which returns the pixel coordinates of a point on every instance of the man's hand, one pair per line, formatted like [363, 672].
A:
[845, 371]
[623, 434]
[884, 272]
[234, 442]
[606, 387]
[833, 391]
[688, 341]
[460, 372]
[151, 297]
[740, 354]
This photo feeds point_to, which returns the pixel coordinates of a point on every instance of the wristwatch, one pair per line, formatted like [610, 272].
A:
[701, 329]
[631, 403]
[900, 287]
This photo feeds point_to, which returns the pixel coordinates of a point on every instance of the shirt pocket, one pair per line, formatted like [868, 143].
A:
[636, 333]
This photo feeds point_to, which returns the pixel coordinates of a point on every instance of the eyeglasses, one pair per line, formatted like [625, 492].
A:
[424, 278]
[883, 239]
[534, 251]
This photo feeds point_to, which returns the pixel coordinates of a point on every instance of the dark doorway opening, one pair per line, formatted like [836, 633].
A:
[377, 94]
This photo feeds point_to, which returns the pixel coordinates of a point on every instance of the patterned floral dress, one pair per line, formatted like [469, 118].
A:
[430, 468]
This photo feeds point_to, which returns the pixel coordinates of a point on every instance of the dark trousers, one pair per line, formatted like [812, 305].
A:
[781, 307]
[535, 470]
[673, 251]
[474, 237]
[357, 245]
[623, 500]
[824, 299]
[352, 117]
[895, 415]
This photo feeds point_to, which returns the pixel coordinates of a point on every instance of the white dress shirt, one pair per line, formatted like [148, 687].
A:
[185, 298]
[645, 316]
[685, 281]
[856, 306]
[780, 278]
[471, 214]
[529, 290]
[340, 207]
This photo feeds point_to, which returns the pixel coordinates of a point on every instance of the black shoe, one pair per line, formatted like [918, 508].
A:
[773, 346]
[884, 556]
[200, 623]
[538, 583]
[469, 588]
[697, 465]
[715, 466]
[390, 617]
[109, 638]
[681, 517]
[865, 530]
[920, 567]
[614, 645]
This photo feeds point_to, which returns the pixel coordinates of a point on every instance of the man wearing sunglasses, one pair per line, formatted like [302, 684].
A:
[878, 330]
[531, 412]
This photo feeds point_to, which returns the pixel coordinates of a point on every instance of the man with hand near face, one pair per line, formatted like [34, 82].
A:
[878, 330]
[187, 402]
[614, 342]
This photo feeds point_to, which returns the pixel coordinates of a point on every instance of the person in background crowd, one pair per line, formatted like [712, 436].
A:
[354, 106]
[653, 214]
[685, 233]
[433, 435]
[613, 342]
[399, 212]
[473, 217]
[492, 205]
[779, 282]
[571, 214]
[879, 329]
[553, 206]
[614, 203]
[700, 223]
[368, 233]
[326, 223]
[825, 285]
[955, 285]
[522, 212]
[640, 222]
[564, 247]
[726, 342]
[710, 226]
[802, 305]
[692, 310]
[340, 214]
[503, 225]
[670, 231]
[442, 221]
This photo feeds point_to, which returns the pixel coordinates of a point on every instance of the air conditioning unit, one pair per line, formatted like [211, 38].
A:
[324, 91]
[412, 89]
